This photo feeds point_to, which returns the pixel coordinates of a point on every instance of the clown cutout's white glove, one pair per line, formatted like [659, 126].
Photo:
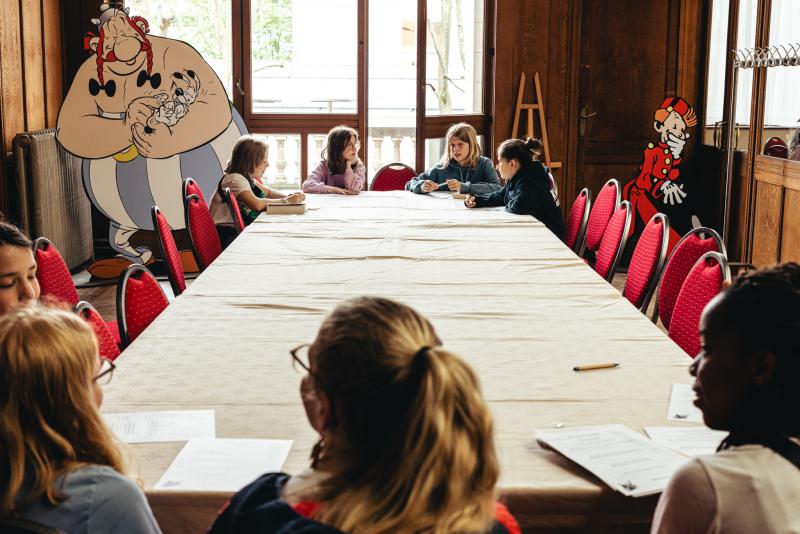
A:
[676, 144]
[673, 193]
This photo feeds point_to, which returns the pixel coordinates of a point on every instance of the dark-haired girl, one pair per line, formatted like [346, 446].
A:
[747, 382]
[527, 189]
[340, 171]
[18, 283]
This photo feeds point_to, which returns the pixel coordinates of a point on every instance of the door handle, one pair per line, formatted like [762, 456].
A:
[239, 87]
[585, 115]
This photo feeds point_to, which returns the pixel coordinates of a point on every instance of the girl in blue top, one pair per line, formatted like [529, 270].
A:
[462, 169]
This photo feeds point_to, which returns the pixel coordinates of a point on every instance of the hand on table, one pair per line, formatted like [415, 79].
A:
[454, 185]
[469, 201]
[341, 191]
[428, 186]
[295, 198]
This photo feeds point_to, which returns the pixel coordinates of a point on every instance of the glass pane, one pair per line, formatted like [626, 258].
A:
[283, 157]
[392, 84]
[748, 11]
[204, 24]
[718, 56]
[454, 57]
[304, 56]
[781, 135]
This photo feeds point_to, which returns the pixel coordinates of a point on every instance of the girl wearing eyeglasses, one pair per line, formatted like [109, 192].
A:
[405, 438]
[59, 465]
[341, 171]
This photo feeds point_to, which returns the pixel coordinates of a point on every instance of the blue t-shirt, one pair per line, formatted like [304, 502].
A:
[99, 500]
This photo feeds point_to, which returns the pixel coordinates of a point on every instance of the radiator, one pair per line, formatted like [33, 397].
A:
[51, 200]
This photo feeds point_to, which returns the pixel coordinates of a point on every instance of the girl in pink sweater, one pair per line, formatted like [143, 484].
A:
[340, 171]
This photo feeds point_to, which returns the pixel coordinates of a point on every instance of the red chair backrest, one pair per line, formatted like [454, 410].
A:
[702, 284]
[202, 232]
[169, 251]
[190, 187]
[53, 274]
[604, 206]
[613, 243]
[680, 262]
[392, 177]
[106, 342]
[140, 299]
[647, 261]
[233, 206]
[576, 220]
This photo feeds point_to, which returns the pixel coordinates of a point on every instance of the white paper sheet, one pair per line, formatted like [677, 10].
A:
[681, 407]
[688, 440]
[150, 427]
[223, 464]
[622, 458]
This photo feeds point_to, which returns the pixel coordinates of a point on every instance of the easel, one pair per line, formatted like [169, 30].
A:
[538, 104]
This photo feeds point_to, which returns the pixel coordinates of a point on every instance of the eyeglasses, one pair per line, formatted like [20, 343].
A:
[106, 372]
[300, 357]
[356, 146]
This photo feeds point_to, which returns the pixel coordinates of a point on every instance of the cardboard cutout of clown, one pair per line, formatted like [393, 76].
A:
[658, 188]
[144, 112]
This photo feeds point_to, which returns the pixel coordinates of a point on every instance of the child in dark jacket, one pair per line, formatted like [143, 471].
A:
[527, 189]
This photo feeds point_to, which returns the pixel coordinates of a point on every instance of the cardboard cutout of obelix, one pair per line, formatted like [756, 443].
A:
[144, 113]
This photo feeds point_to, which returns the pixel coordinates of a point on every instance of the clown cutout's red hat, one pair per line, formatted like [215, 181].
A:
[679, 106]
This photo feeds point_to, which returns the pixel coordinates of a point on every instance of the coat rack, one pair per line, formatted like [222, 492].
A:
[750, 58]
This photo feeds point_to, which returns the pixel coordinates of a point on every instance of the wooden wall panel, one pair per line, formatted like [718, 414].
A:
[766, 235]
[790, 234]
[53, 72]
[33, 62]
[11, 74]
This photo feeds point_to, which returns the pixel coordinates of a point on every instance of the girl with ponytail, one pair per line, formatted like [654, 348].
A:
[406, 441]
[527, 187]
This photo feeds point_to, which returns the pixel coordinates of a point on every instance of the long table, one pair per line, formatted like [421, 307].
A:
[501, 290]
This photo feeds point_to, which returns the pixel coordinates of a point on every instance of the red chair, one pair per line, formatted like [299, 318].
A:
[686, 252]
[190, 187]
[52, 273]
[392, 177]
[169, 251]
[647, 261]
[106, 341]
[140, 299]
[202, 232]
[605, 205]
[614, 239]
[577, 218]
[704, 282]
[233, 207]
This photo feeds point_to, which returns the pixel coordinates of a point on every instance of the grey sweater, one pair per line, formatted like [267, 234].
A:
[99, 500]
[478, 181]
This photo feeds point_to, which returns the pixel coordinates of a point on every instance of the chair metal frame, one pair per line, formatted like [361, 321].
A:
[615, 183]
[395, 164]
[700, 231]
[584, 221]
[662, 258]
[176, 290]
[185, 186]
[122, 284]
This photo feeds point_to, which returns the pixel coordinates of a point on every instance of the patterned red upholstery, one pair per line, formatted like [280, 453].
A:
[605, 205]
[190, 187]
[169, 251]
[646, 260]
[52, 273]
[202, 232]
[106, 340]
[683, 257]
[613, 240]
[236, 213]
[139, 300]
[392, 177]
[701, 285]
[575, 219]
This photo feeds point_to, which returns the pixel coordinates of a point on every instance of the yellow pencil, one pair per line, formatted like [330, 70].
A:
[591, 366]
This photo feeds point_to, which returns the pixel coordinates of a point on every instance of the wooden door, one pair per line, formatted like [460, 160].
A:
[633, 55]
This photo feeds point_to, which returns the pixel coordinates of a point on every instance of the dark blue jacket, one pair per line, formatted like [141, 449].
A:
[528, 193]
[480, 180]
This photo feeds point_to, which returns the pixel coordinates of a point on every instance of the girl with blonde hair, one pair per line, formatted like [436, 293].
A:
[59, 465]
[406, 441]
[462, 169]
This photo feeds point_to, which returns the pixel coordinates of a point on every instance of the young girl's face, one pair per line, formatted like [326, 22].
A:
[507, 169]
[459, 150]
[18, 283]
[350, 151]
[261, 168]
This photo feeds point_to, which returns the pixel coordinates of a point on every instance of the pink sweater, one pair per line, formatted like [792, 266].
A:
[321, 178]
